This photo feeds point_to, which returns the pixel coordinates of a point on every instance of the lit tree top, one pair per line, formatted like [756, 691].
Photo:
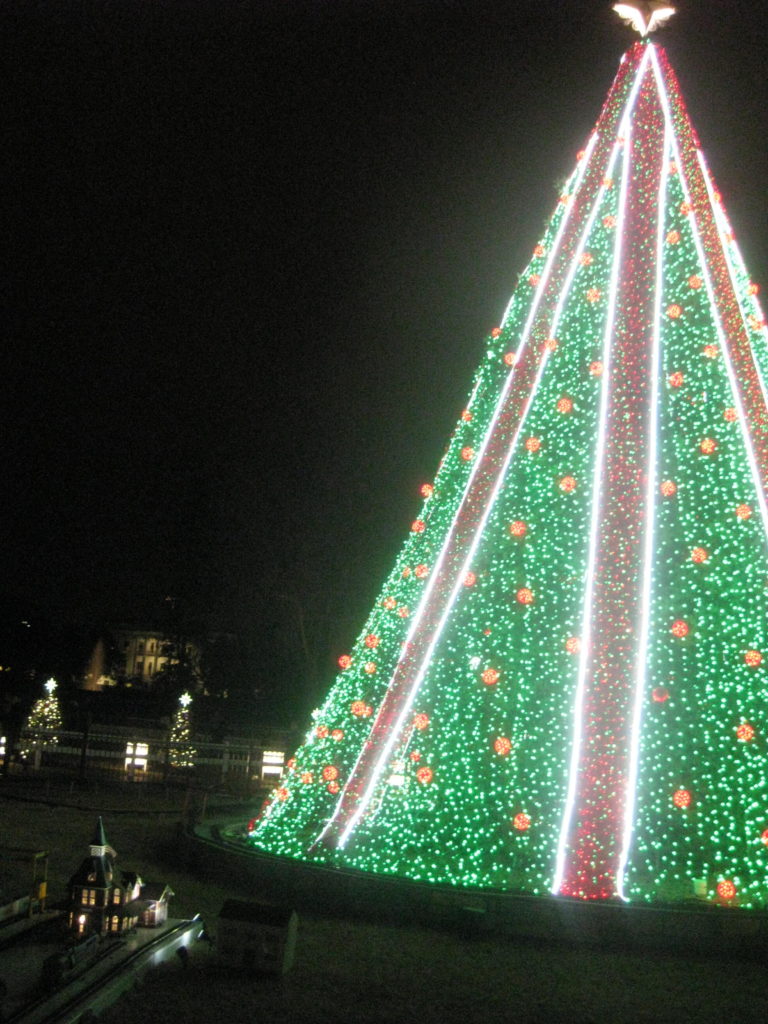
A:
[50, 686]
[185, 700]
[645, 16]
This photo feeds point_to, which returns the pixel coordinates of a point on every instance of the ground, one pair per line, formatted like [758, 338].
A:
[348, 971]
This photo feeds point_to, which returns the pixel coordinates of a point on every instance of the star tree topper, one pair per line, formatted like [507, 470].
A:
[645, 15]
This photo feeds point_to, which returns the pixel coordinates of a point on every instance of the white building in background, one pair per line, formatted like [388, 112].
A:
[146, 652]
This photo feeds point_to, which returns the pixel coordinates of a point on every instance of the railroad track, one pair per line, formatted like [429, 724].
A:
[104, 981]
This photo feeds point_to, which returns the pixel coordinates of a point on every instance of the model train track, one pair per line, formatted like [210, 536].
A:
[96, 988]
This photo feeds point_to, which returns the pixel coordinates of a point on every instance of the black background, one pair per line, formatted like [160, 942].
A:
[252, 250]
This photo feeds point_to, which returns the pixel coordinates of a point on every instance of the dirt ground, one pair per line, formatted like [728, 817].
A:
[361, 972]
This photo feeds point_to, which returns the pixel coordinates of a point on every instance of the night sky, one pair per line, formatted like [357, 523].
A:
[253, 249]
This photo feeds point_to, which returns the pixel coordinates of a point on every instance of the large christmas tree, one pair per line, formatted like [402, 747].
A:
[562, 686]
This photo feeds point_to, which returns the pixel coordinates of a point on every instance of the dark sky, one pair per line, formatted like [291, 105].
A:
[253, 249]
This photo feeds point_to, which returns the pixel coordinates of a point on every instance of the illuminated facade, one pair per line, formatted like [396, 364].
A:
[101, 900]
[562, 685]
[145, 652]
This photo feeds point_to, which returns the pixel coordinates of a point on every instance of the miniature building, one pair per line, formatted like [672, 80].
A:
[99, 903]
[154, 904]
[259, 936]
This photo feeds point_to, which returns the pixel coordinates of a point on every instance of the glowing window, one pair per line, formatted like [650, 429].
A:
[272, 763]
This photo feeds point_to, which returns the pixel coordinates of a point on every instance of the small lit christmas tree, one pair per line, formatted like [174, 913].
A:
[181, 752]
[562, 685]
[44, 722]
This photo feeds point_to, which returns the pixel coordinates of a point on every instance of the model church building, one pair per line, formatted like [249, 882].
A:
[103, 901]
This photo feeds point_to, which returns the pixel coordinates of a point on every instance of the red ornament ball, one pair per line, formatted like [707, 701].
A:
[593, 295]
[333, 787]
[421, 571]
[522, 822]
[660, 694]
[753, 658]
[509, 358]
[745, 732]
[609, 222]
[674, 312]
[680, 628]
[585, 259]
[533, 280]
[573, 645]
[321, 731]
[564, 404]
[495, 332]
[726, 890]
[345, 661]
[730, 415]
[306, 778]
[753, 288]
[370, 667]
[425, 775]
[403, 611]
[533, 443]
[708, 446]
[282, 794]
[524, 596]
[764, 836]
[372, 641]
[673, 237]
[357, 707]
[427, 490]
[467, 453]
[417, 526]
[502, 746]
[490, 677]
[518, 528]
[695, 282]
[699, 555]
[675, 380]
[681, 798]
[539, 250]
[415, 756]
[710, 351]
[337, 734]
[743, 512]
[389, 603]
[668, 488]
[596, 368]
[567, 484]
[421, 721]
[470, 579]
[330, 772]
[551, 344]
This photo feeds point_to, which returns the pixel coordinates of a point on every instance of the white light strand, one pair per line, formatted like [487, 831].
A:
[423, 602]
[751, 459]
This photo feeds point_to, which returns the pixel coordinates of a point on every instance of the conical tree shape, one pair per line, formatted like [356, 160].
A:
[562, 685]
